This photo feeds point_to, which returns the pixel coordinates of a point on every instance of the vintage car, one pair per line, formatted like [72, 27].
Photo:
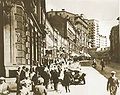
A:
[77, 75]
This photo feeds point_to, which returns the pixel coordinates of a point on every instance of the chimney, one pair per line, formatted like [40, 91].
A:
[63, 9]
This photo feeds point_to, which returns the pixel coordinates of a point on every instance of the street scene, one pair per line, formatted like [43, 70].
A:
[59, 47]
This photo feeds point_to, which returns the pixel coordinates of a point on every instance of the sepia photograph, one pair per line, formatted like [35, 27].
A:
[59, 47]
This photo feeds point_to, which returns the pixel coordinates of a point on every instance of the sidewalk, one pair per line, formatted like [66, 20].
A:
[93, 79]
[11, 82]
[108, 68]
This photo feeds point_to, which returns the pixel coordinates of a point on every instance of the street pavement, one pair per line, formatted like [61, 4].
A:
[95, 85]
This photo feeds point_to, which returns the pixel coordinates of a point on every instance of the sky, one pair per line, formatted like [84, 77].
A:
[105, 11]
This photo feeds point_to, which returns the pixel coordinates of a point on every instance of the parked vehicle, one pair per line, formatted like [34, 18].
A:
[78, 77]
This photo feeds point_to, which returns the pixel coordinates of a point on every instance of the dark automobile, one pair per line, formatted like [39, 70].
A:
[77, 77]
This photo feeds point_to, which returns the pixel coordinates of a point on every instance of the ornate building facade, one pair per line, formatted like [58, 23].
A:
[80, 27]
[94, 33]
[23, 34]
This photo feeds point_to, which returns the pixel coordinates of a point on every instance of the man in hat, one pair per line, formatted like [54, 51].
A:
[102, 63]
[40, 88]
[23, 73]
[112, 83]
[4, 88]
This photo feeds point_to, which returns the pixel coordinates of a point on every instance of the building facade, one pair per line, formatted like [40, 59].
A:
[24, 34]
[115, 43]
[66, 32]
[82, 32]
[94, 33]
[80, 27]
[102, 41]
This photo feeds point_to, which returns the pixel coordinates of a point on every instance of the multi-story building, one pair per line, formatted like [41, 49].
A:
[49, 39]
[22, 34]
[53, 41]
[94, 33]
[82, 31]
[80, 24]
[102, 42]
[115, 43]
[66, 30]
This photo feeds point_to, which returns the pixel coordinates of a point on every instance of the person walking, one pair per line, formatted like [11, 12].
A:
[94, 63]
[23, 73]
[40, 88]
[46, 77]
[27, 73]
[24, 88]
[112, 83]
[4, 88]
[18, 80]
[102, 63]
[54, 78]
[66, 80]
[35, 79]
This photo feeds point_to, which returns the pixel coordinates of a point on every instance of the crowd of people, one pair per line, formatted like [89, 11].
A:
[39, 78]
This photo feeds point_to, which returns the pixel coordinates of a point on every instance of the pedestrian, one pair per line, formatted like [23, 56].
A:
[102, 63]
[40, 69]
[55, 79]
[18, 80]
[66, 80]
[4, 88]
[112, 83]
[32, 73]
[46, 77]
[24, 90]
[23, 73]
[94, 63]
[35, 79]
[28, 83]
[27, 73]
[40, 88]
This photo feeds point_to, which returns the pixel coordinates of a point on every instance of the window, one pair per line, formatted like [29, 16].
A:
[20, 25]
[19, 10]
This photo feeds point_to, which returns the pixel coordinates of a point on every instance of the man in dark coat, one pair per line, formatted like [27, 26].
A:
[67, 80]
[35, 80]
[46, 77]
[18, 80]
[54, 77]
[23, 73]
[102, 63]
